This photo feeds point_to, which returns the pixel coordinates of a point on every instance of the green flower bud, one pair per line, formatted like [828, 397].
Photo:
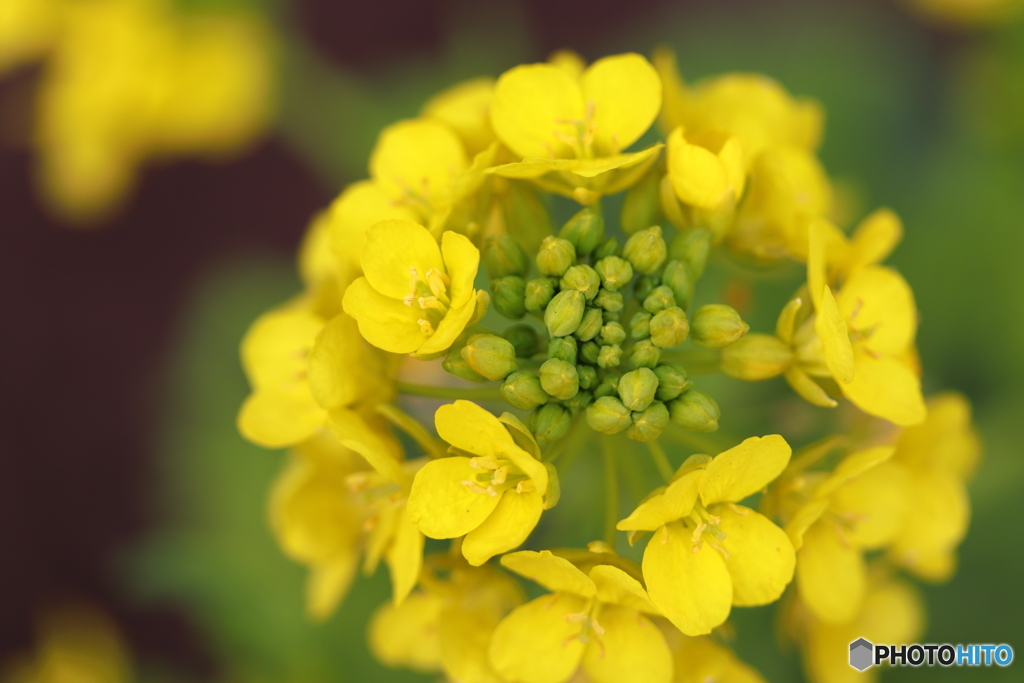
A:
[564, 313]
[539, 292]
[756, 357]
[669, 327]
[523, 390]
[589, 351]
[490, 356]
[609, 301]
[644, 355]
[609, 356]
[508, 296]
[645, 286]
[612, 316]
[676, 277]
[555, 256]
[692, 247]
[646, 250]
[582, 278]
[610, 247]
[456, 365]
[637, 387]
[550, 423]
[640, 325]
[608, 416]
[578, 402]
[563, 348]
[503, 255]
[695, 411]
[559, 378]
[585, 230]
[642, 206]
[588, 376]
[650, 423]
[659, 299]
[526, 340]
[715, 326]
[613, 333]
[615, 272]
[591, 324]
[672, 381]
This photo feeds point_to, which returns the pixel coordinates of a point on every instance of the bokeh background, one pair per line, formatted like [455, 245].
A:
[122, 479]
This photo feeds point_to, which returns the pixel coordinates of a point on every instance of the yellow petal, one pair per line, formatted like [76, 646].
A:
[698, 176]
[384, 322]
[356, 433]
[761, 557]
[875, 238]
[692, 589]
[337, 376]
[551, 571]
[585, 168]
[275, 346]
[417, 158]
[614, 586]
[392, 250]
[835, 339]
[276, 418]
[742, 470]
[853, 466]
[946, 440]
[530, 103]
[441, 505]
[886, 388]
[466, 107]
[407, 635]
[465, 635]
[632, 650]
[404, 557]
[506, 528]
[878, 302]
[877, 504]
[535, 643]
[674, 503]
[786, 323]
[938, 511]
[817, 264]
[461, 259]
[830, 574]
[699, 660]
[805, 516]
[357, 208]
[327, 584]
[469, 427]
[448, 330]
[626, 94]
[735, 165]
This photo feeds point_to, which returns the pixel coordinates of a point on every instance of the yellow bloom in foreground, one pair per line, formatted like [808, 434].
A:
[701, 659]
[595, 621]
[496, 497]
[466, 108]
[414, 297]
[706, 169]
[708, 553]
[570, 131]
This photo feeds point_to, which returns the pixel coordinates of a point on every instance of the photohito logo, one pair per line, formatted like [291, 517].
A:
[865, 654]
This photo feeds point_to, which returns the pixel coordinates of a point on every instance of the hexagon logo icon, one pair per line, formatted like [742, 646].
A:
[861, 654]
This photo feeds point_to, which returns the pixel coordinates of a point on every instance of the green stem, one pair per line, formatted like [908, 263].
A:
[660, 460]
[696, 361]
[611, 493]
[411, 426]
[700, 443]
[470, 393]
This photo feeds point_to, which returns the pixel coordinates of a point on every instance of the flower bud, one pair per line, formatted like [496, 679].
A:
[608, 416]
[671, 381]
[756, 357]
[456, 365]
[669, 328]
[613, 333]
[585, 230]
[659, 299]
[677, 277]
[526, 340]
[637, 387]
[564, 313]
[550, 423]
[644, 355]
[563, 348]
[578, 402]
[646, 250]
[559, 378]
[609, 301]
[539, 292]
[610, 247]
[508, 296]
[645, 286]
[608, 386]
[650, 423]
[589, 352]
[695, 411]
[490, 356]
[590, 325]
[691, 247]
[615, 272]
[555, 256]
[716, 326]
[642, 205]
[609, 356]
[612, 316]
[503, 255]
[523, 390]
[640, 325]
[582, 278]
[587, 375]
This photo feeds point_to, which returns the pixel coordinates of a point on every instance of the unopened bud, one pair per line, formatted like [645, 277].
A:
[650, 423]
[555, 256]
[585, 230]
[609, 301]
[539, 292]
[559, 378]
[715, 326]
[587, 375]
[645, 285]
[490, 356]
[610, 247]
[646, 250]
[640, 325]
[563, 348]
[672, 381]
[590, 325]
[669, 328]
[644, 354]
[659, 299]
[642, 205]
[523, 390]
[637, 387]
[589, 352]
[526, 340]
[613, 333]
[696, 411]
[550, 423]
[756, 357]
[692, 247]
[676, 277]
[564, 313]
[609, 356]
[456, 365]
[615, 272]
[582, 278]
[581, 400]
[508, 296]
[608, 415]
[608, 386]
[503, 255]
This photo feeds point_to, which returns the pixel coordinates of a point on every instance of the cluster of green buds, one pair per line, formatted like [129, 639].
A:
[611, 313]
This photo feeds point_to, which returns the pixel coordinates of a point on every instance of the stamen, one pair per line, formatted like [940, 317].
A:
[725, 553]
[438, 282]
[426, 327]
[695, 538]
[475, 487]
[408, 299]
[526, 486]
[738, 509]
[432, 302]
[500, 475]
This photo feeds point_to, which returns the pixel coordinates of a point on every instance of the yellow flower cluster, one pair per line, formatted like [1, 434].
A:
[569, 337]
[126, 81]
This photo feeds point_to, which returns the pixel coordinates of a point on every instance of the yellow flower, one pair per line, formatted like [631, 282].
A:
[326, 509]
[466, 108]
[706, 169]
[414, 297]
[701, 659]
[495, 498]
[448, 624]
[708, 553]
[570, 131]
[28, 28]
[595, 621]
